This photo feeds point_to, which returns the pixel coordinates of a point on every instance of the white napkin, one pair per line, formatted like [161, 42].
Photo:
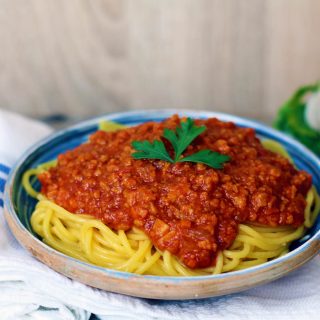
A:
[30, 290]
[19, 298]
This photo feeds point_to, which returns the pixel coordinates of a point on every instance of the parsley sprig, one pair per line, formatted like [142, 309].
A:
[151, 150]
[180, 139]
[183, 136]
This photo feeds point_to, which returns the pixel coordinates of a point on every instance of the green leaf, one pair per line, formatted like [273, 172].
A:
[150, 150]
[183, 136]
[207, 157]
[291, 118]
[180, 139]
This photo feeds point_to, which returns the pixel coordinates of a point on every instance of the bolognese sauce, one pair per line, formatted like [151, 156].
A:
[189, 209]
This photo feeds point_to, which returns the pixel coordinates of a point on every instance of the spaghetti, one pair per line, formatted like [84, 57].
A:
[89, 239]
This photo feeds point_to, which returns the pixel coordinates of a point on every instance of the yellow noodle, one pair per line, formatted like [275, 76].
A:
[219, 264]
[149, 263]
[238, 253]
[230, 264]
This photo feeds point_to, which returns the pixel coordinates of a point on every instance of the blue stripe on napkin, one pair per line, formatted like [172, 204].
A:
[5, 170]
[2, 183]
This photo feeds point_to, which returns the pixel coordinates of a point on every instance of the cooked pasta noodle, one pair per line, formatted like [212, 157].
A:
[88, 239]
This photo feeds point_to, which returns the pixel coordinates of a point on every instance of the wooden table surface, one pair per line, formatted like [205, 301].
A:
[85, 58]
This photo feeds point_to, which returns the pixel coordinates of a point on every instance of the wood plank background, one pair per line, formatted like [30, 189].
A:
[91, 57]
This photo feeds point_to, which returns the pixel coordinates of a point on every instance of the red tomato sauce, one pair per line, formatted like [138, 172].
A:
[189, 209]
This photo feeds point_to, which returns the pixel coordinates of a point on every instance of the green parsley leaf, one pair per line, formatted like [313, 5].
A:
[150, 150]
[183, 136]
[208, 157]
[180, 139]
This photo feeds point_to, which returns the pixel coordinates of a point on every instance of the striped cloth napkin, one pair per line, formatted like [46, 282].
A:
[31, 290]
[19, 298]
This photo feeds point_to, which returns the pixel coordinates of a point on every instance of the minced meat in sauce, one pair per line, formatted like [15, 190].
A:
[189, 209]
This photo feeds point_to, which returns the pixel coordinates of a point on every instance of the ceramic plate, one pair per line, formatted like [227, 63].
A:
[19, 206]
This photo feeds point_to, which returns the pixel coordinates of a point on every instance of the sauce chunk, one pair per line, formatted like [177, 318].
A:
[189, 209]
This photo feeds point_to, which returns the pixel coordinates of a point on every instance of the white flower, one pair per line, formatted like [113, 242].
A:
[312, 112]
